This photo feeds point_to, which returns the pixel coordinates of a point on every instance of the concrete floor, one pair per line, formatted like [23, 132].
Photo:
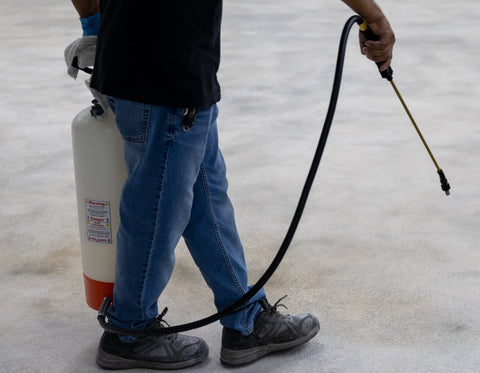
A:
[387, 262]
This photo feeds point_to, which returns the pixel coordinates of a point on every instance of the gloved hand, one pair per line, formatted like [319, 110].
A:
[83, 51]
[80, 55]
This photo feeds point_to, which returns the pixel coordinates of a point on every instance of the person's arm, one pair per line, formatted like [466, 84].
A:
[89, 12]
[381, 50]
[81, 52]
[86, 8]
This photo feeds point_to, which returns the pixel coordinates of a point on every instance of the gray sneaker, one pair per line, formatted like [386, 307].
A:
[171, 351]
[272, 332]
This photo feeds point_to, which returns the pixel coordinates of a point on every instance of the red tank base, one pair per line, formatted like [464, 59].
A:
[96, 291]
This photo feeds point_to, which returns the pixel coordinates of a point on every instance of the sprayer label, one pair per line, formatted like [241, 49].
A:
[99, 221]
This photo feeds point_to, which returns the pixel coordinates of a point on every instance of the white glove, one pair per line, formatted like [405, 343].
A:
[83, 51]
[80, 55]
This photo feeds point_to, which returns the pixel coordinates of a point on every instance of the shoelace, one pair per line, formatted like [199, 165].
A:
[273, 309]
[159, 321]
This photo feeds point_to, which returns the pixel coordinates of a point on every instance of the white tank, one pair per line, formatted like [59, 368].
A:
[99, 176]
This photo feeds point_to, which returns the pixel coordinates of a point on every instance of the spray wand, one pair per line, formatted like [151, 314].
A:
[388, 74]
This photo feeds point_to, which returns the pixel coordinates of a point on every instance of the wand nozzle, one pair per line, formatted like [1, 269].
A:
[444, 182]
[388, 74]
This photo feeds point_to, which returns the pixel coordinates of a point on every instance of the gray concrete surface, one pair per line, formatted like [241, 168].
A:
[387, 262]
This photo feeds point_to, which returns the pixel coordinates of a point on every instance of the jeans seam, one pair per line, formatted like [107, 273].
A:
[243, 320]
[155, 225]
[146, 119]
[220, 244]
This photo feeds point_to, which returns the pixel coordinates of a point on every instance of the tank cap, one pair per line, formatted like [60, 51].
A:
[97, 109]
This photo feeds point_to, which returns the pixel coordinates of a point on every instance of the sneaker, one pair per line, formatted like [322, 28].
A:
[272, 332]
[170, 351]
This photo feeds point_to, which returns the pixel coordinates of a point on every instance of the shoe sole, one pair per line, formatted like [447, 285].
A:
[109, 361]
[241, 357]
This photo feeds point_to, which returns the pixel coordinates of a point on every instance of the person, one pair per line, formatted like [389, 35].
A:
[156, 63]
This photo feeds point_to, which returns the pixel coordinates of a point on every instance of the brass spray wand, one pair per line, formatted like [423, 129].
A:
[388, 74]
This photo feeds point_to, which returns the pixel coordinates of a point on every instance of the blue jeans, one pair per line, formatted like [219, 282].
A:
[176, 187]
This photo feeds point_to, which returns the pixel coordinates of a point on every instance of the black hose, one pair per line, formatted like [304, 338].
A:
[291, 230]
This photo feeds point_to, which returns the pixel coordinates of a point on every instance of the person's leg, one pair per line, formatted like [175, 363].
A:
[213, 240]
[163, 162]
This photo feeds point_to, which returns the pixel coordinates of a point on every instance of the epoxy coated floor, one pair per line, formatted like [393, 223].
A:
[387, 262]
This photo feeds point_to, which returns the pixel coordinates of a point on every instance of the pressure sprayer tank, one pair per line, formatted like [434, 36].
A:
[99, 175]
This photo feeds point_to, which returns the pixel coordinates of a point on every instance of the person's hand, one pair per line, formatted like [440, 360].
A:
[80, 54]
[83, 51]
[382, 49]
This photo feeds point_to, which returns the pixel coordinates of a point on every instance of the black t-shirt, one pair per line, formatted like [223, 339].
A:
[162, 52]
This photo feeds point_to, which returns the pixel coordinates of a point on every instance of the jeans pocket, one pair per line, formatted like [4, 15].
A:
[132, 119]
